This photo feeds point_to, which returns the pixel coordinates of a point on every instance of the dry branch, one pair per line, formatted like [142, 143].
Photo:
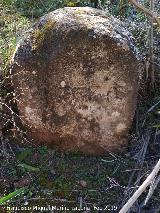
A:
[141, 189]
[145, 10]
[151, 46]
[153, 186]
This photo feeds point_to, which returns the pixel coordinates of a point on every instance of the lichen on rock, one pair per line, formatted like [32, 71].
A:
[76, 73]
[42, 34]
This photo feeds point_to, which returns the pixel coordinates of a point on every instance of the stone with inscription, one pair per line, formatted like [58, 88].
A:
[76, 76]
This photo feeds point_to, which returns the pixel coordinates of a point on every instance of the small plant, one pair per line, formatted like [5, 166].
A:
[12, 195]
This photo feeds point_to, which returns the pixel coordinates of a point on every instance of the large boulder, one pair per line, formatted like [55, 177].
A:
[76, 75]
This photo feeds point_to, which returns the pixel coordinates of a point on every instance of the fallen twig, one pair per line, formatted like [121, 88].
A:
[140, 161]
[153, 186]
[141, 189]
[145, 10]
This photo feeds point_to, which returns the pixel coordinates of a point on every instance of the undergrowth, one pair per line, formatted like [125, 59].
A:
[34, 176]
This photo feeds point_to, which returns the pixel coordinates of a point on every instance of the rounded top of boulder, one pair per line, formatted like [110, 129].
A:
[96, 22]
[93, 19]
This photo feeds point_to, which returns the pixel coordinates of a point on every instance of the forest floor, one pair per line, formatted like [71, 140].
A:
[32, 176]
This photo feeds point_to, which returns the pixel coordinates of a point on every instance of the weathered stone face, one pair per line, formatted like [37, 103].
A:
[75, 74]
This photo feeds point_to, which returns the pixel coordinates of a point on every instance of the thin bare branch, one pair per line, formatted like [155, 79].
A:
[151, 190]
[145, 10]
[141, 189]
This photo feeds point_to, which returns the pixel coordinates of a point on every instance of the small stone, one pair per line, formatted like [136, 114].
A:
[53, 172]
[83, 183]
[34, 72]
[24, 181]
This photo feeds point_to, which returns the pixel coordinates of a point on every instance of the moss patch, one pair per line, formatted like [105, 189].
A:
[42, 34]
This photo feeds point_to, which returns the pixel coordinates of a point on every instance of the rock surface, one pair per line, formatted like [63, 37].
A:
[75, 75]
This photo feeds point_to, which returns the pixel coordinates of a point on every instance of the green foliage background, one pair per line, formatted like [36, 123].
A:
[36, 8]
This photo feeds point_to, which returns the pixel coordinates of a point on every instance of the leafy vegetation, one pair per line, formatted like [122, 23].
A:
[32, 175]
[12, 24]
[12, 195]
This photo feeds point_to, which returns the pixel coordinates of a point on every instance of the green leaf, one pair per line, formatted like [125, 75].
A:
[71, 4]
[43, 150]
[156, 125]
[12, 195]
[29, 168]
[24, 154]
